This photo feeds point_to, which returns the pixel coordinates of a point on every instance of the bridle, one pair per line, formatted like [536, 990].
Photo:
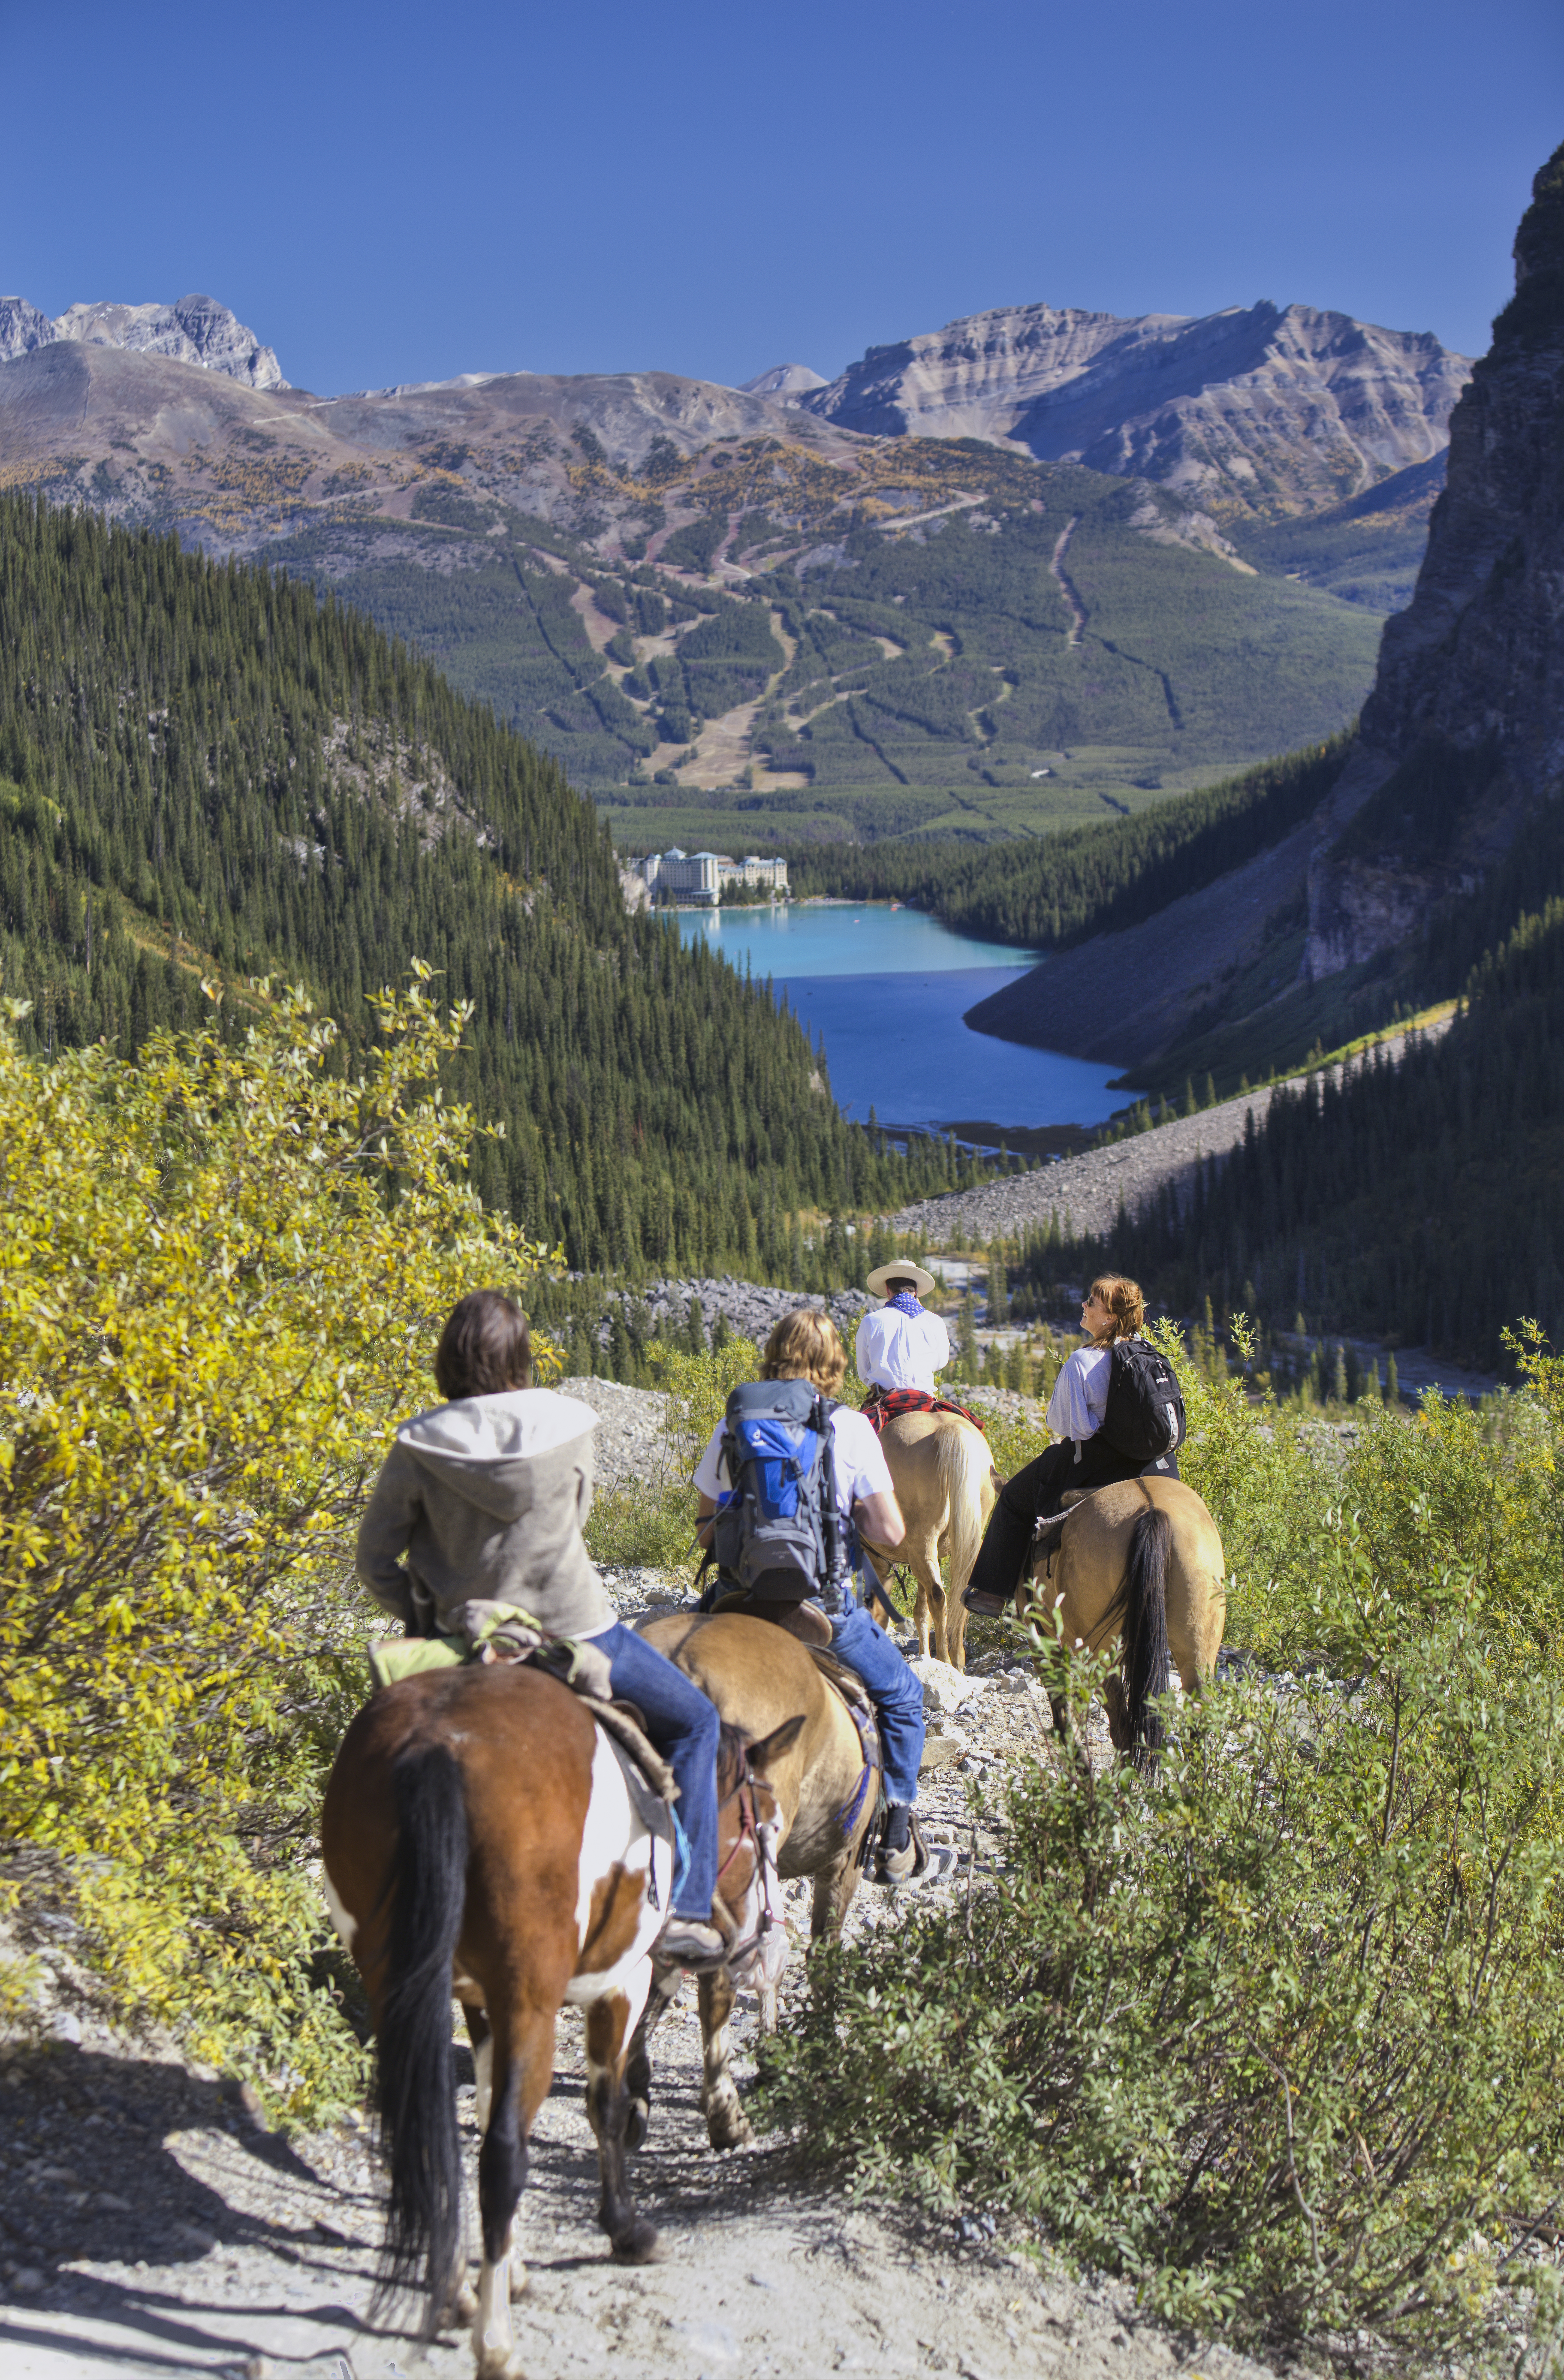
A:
[751, 1829]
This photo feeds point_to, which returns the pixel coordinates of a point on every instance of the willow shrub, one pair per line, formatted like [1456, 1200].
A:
[1280, 2036]
[223, 1270]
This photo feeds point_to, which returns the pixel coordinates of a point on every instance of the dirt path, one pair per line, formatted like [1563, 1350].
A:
[148, 2225]
[1072, 602]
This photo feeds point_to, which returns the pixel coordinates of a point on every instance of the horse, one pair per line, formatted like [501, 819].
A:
[480, 1838]
[1141, 1559]
[827, 1792]
[945, 1485]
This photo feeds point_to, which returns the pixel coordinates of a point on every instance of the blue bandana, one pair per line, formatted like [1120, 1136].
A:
[905, 1302]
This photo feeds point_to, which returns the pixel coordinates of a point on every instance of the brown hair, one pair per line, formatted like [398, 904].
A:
[484, 1349]
[1123, 1301]
[803, 1347]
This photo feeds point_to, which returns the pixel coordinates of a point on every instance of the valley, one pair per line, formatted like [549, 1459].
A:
[779, 618]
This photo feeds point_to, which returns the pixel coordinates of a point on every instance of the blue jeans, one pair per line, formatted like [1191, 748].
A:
[862, 1644]
[684, 1727]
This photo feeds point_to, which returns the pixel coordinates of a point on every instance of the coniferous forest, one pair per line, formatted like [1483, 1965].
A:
[1417, 1201]
[206, 766]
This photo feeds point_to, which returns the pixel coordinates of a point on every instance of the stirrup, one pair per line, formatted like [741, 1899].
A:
[905, 1865]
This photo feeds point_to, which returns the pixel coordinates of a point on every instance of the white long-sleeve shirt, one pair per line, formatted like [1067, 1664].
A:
[1080, 1393]
[901, 1351]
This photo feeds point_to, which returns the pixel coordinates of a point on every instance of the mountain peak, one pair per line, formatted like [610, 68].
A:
[783, 380]
[194, 330]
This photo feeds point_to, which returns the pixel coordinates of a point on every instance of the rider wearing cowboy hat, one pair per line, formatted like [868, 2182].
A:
[899, 1344]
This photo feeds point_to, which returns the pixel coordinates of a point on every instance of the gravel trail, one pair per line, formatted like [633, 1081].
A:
[150, 2226]
[1086, 1192]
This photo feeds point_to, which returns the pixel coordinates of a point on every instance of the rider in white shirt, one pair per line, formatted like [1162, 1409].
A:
[1114, 1309]
[899, 1344]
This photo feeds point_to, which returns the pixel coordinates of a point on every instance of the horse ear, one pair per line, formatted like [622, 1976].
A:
[771, 1747]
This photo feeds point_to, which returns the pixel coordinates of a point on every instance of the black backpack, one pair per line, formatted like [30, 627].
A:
[778, 1531]
[1144, 1418]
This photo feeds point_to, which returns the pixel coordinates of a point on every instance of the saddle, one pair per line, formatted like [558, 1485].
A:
[881, 1406]
[808, 1623]
[500, 1632]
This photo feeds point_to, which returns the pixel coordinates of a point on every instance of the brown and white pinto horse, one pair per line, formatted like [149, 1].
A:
[479, 1839]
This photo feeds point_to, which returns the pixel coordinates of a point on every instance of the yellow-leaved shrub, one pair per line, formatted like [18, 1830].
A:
[223, 1272]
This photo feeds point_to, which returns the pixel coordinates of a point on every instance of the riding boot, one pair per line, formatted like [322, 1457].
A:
[900, 1855]
[685, 1942]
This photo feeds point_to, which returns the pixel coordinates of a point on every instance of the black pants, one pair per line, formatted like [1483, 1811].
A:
[1039, 1490]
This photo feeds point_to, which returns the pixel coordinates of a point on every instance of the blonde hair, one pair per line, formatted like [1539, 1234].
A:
[803, 1347]
[1123, 1300]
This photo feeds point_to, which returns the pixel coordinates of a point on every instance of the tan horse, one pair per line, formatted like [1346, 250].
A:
[1141, 1560]
[825, 1805]
[945, 1483]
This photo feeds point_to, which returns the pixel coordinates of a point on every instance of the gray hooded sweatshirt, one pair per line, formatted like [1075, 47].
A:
[486, 1497]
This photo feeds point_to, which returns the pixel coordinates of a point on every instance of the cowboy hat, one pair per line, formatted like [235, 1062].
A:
[902, 1269]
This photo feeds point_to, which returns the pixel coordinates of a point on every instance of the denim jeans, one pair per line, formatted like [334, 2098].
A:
[684, 1727]
[862, 1644]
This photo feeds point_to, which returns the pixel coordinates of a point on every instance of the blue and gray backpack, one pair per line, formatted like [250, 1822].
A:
[777, 1533]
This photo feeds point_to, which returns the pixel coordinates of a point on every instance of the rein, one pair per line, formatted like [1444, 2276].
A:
[749, 1830]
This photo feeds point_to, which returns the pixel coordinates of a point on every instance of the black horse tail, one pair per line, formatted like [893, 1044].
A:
[417, 2076]
[1145, 1631]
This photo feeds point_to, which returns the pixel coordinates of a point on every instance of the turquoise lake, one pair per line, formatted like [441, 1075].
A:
[886, 989]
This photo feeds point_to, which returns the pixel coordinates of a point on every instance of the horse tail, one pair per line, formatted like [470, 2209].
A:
[962, 1468]
[417, 2099]
[1146, 1630]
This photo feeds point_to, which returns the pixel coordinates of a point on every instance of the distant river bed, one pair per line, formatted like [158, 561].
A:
[887, 988]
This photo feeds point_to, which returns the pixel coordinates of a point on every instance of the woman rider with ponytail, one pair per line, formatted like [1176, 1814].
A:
[1114, 1310]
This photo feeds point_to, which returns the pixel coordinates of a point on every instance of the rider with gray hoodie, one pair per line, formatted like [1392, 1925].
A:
[485, 1498]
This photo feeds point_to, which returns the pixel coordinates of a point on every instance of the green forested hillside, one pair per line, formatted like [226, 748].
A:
[1419, 1200]
[1095, 879]
[204, 766]
[970, 645]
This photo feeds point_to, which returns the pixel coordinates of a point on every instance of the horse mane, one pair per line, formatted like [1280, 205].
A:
[733, 1743]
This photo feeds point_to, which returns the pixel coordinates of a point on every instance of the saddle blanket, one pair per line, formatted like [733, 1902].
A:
[884, 1404]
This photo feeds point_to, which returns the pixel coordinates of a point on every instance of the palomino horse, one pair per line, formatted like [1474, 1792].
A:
[826, 1796]
[944, 1481]
[478, 1837]
[1141, 1560]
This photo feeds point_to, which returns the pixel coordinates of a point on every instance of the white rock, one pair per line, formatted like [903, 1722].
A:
[944, 1688]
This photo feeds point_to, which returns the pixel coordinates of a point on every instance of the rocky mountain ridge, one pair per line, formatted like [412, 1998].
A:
[1461, 741]
[1444, 825]
[1257, 410]
[194, 330]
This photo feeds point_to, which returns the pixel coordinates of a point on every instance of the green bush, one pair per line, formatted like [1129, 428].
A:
[223, 1272]
[1279, 2038]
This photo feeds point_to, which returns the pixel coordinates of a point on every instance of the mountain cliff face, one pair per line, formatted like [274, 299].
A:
[194, 330]
[1462, 737]
[1257, 409]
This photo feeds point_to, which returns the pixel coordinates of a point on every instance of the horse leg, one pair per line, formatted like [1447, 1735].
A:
[1118, 1727]
[609, 2022]
[665, 1986]
[835, 1887]
[522, 2049]
[482, 2040]
[727, 2126]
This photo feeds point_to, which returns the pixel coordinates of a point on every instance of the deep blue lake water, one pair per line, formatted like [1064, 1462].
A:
[887, 989]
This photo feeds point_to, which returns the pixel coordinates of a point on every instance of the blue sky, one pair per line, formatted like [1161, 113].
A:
[402, 193]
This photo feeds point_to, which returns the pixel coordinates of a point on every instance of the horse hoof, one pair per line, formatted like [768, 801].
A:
[639, 2245]
[459, 2309]
[498, 2365]
[730, 2132]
